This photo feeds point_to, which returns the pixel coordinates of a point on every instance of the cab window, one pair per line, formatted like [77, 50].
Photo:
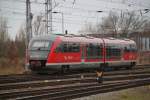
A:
[40, 45]
[130, 48]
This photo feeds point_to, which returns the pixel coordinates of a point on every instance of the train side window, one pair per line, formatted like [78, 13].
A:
[99, 51]
[133, 48]
[126, 49]
[65, 47]
[94, 51]
[130, 48]
[116, 52]
[59, 48]
[89, 51]
[113, 51]
[75, 47]
[68, 47]
[108, 51]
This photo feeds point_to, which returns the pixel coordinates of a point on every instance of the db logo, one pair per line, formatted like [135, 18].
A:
[65, 57]
[131, 57]
[68, 57]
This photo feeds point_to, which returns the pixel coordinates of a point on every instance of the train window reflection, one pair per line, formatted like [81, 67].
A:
[94, 51]
[113, 52]
[40, 45]
[68, 47]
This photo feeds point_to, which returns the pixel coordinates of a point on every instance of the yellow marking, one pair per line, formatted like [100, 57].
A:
[99, 74]
[82, 76]
[45, 81]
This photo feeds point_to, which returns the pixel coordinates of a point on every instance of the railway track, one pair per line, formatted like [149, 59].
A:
[88, 90]
[73, 86]
[31, 77]
[74, 89]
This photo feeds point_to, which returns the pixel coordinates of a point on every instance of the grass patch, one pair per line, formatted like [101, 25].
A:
[138, 93]
[11, 66]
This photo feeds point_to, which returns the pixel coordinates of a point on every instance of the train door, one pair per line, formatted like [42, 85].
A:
[93, 56]
[83, 53]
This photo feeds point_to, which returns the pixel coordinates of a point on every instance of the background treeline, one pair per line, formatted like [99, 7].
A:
[12, 52]
[119, 24]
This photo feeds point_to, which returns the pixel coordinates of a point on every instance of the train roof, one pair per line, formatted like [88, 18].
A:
[118, 41]
[81, 39]
[84, 39]
[88, 39]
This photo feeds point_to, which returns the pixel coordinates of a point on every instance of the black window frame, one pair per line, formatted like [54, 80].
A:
[113, 51]
[40, 48]
[68, 47]
[94, 51]
[130, 48]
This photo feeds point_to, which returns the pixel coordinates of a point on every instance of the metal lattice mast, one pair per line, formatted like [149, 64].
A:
[28, 21]
[48, 16]
[28, 27]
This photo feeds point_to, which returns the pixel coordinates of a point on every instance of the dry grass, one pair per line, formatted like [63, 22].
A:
[13, 66]
[139, 93]
[144, 59]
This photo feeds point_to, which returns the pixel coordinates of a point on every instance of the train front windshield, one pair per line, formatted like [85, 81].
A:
[39, 49]
[40, 45]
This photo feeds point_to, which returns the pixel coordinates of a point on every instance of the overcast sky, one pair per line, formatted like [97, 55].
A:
[76, 13]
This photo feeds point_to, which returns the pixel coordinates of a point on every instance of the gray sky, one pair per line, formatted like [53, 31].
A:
[76, 14]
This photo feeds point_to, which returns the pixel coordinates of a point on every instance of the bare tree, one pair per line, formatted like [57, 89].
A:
[146, 26]
[124, 23]
[20, 42]
[3, 29]
[3, 37]
[88, 28]
[21, 36]
[118, 24]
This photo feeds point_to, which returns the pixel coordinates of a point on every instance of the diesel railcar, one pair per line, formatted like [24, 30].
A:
[68, 52]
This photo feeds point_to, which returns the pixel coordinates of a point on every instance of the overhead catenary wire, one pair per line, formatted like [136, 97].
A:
[79, 4]
[82, 9]
[23, 1]
[78, 12]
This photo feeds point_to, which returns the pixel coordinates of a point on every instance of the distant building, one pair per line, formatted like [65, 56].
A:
[142, 40]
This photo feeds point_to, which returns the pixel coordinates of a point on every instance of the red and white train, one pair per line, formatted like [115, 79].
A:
[67, 52]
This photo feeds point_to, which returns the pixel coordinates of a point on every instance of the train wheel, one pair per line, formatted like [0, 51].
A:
[132, 65]
[129, 67]
[116, 68]
[65, 69]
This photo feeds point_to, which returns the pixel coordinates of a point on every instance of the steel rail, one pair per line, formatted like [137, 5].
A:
[30, 77]
[31, 90]
[79, 92]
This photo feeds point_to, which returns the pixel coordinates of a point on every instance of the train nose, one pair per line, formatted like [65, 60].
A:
[37, 64]
[37, 59]
[38, 55]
